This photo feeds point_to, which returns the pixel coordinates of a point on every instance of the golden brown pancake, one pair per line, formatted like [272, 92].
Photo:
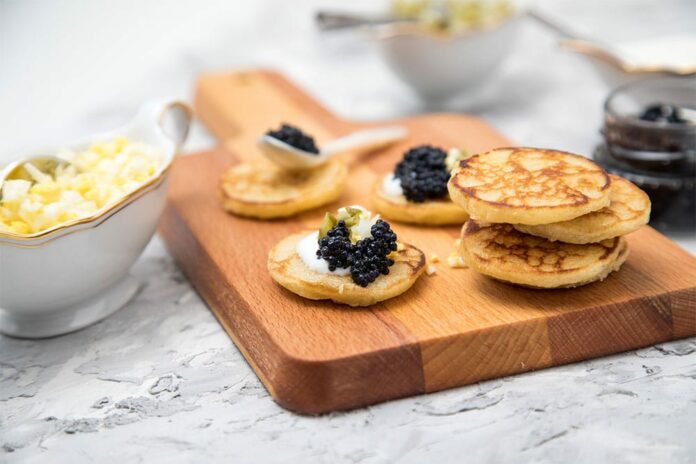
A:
[262, 190]
[628, 211]
[287, 268]
[504, 253]
[432, 212]
[528, 186]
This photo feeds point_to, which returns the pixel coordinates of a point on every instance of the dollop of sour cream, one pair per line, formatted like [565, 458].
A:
[307, 250]
[391, 185]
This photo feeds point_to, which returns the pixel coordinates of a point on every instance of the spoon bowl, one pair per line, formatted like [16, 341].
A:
[288, 157]
[363, 141]
[17, 170]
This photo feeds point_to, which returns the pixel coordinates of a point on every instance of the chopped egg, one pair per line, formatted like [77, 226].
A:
[455, 260]
[453, 15]
[359, 221]
[97, 177]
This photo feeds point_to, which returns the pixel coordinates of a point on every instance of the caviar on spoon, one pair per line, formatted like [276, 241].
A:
[291, 148]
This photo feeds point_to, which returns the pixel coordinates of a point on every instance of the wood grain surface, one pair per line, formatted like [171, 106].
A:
[453, 328]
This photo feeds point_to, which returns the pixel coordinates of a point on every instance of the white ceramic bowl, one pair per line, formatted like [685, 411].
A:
[441, 66]
[73, 275]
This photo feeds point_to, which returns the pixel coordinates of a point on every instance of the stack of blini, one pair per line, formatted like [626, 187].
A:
[544, 218]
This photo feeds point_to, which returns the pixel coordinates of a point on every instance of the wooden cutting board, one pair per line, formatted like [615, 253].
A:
[453, 328]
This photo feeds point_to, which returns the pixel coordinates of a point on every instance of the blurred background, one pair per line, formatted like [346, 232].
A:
[538, 71]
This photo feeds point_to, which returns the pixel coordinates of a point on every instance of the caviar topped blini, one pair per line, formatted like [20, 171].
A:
[264, 190]
[416, 192]
[353, 258]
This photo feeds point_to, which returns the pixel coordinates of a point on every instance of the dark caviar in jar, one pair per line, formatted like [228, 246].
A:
[650, 139]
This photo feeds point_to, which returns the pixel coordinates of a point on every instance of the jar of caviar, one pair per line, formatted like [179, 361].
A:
[650, 138]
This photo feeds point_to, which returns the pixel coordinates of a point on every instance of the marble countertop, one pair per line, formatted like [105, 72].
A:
[161, 381]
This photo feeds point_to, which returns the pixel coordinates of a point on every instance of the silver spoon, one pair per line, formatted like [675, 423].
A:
[17, 170]
[363, 141]
[330, 20]
[605, 52]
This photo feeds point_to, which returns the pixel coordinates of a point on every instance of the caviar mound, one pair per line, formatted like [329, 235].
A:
[503, 253]
[262, 190]
[367, 259]
[370, 257]
[288, 270]
[295, 138]
[336, 247]
[423, 173]
[628, 211]
[432, 212]
[528, 186]
[663, 113]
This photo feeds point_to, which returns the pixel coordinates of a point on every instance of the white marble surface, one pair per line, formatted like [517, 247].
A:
[161, 381]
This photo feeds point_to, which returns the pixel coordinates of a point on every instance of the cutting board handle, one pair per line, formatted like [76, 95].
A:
[239, 107]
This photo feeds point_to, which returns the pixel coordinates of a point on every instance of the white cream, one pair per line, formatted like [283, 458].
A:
[307, 249]
[454, 155]
[391, 185]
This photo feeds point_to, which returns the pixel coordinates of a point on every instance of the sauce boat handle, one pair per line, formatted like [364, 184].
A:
[169, 118]
[174, 121]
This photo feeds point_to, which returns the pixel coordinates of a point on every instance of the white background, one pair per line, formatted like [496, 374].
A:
[71, 68]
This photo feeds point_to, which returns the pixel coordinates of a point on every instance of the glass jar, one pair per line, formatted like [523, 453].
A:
[649, 142]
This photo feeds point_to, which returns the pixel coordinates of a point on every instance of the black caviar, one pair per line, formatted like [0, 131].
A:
[367, 258]
[370, 255]
[663, 113]
[294, 137]
[423, 173]
[336, 247]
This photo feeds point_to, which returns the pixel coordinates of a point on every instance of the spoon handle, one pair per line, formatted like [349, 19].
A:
[364, 141]
[577, 43]
[561, 30]
[330, 20]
